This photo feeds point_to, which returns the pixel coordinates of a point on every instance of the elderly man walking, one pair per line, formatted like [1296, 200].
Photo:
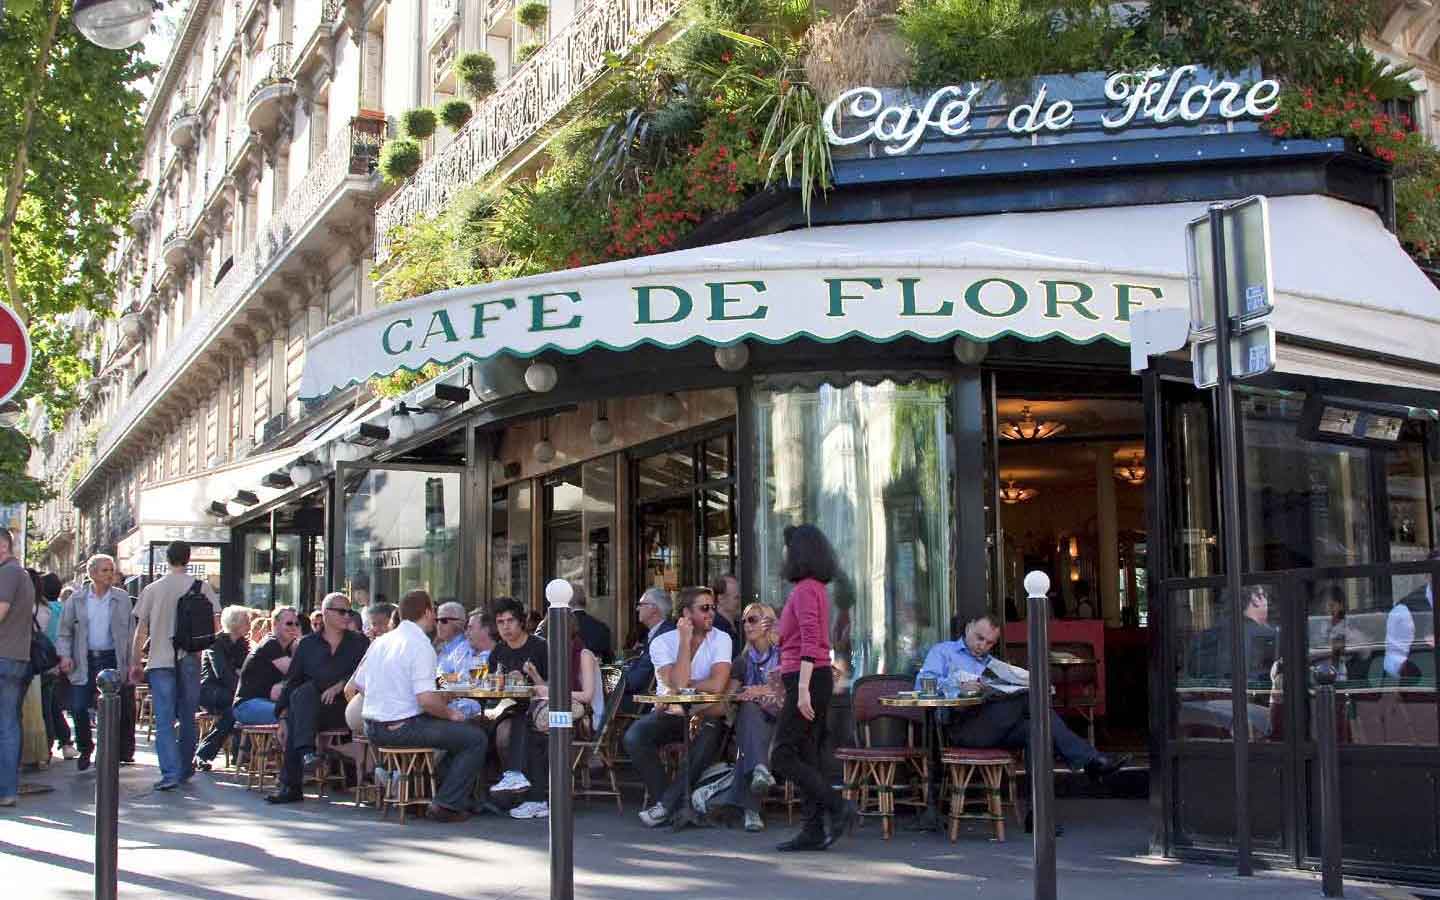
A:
[96, 628]
[173, 673]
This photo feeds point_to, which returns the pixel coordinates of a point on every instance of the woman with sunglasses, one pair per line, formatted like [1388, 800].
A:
[756, 684]
[805, 671]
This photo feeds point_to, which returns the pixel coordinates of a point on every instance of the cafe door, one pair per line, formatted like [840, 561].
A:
[684, 509]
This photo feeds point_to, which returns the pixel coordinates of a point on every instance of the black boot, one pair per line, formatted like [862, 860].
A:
[809, 838]
[839, 822]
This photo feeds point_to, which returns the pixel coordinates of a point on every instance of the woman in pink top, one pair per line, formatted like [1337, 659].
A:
[805, 672]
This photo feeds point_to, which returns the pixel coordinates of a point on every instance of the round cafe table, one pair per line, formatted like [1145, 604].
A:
[930, 819]
[685, 815]
[475, 693]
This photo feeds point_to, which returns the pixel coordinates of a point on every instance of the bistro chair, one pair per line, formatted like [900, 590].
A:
[204, 724]
[328, 771]
[263, 762]
[871, 770]
[412, 778]
[366, 789]
[145, 711]
[994, 766]
[599, 746]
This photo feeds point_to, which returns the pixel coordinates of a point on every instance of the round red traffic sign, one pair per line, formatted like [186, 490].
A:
[14, 353]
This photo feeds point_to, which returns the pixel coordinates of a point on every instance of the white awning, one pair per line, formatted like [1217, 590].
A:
[1340, 278]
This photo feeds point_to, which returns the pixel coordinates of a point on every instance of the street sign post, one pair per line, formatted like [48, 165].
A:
[1231, 295]
[14, 353]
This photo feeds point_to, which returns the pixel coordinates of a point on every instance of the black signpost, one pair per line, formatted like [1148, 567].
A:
[1041, 755]
[107, 786]
[562, 822]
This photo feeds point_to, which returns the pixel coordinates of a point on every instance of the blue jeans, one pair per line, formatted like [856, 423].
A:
[14, 679]
[464, 745]
[255, 711]
[175, 696]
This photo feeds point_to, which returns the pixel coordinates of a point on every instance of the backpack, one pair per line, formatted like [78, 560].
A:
[194, 621]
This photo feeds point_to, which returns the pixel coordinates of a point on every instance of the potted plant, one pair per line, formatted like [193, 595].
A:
[455, 113]
[419, 123]
[477, 70]
[532, 13]
[399, 159]
[525, 51]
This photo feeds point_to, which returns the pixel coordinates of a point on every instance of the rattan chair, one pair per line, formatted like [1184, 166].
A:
[591, 745]
[873, 773]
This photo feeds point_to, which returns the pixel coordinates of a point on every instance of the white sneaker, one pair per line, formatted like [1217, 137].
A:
[655, 816]
[700, 797]
[531, 809]
[512, 782]
[761, 781]
[69, 752]
[753, 822]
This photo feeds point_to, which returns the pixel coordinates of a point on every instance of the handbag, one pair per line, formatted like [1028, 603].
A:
[43, 655]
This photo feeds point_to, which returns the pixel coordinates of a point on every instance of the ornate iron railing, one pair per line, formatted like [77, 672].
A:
[270, 66]
[351, 153]
[532, 96]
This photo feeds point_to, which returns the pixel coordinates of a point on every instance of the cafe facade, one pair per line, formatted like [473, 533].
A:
[937, 370]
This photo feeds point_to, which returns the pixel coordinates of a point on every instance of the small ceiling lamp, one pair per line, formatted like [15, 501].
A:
[1029, 428]
[544, 450]
[669, 409]
[968, 351]
[1074, 547]
[303, 471]
[1012, 494]
[401, 424]
[733, 358]
[601, 431]
[1132, 472]
[541, 377]
[114, 24]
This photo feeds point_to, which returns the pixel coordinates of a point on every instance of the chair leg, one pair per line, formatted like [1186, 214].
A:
[885, 780]
[992, 776]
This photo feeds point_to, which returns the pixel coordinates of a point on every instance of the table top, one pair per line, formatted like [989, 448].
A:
[474, 693]
[941, 702]
[1069, 660]
[682, 699]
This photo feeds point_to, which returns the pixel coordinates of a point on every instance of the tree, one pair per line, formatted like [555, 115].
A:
[71, 140]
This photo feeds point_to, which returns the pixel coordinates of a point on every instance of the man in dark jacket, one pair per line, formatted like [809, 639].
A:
[219, 677]
[594, 634]
[653, 611]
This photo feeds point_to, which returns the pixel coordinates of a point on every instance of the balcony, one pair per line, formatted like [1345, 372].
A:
[140, 216]
[533, 97]
[346, 167]
[272, 86]
[184, 127]
[176, 248]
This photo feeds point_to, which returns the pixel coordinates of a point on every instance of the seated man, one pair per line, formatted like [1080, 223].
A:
[695, 655]
[378, 617]
[473, 653]
[653, 611]
[1002, 721]
[311, 700]
[402, 708]
[518, 651]
[263, 672]
[449, 628]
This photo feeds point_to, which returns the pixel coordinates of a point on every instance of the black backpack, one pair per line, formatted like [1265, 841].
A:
[194, 620]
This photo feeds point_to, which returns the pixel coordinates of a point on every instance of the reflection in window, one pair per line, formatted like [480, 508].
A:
[1379, 633]
[1203, 631]
[401, 531]
[871, 467]
[1194, 513]
[1308, 503]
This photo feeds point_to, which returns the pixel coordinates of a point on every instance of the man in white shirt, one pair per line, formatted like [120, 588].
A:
[695, 656]
[403, 708]
[1410, 632]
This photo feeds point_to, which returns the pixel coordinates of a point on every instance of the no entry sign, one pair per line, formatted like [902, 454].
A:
[14, 353]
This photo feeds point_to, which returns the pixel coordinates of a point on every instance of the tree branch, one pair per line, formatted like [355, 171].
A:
[15, 183]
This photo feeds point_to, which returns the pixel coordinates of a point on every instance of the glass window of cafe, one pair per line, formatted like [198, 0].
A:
[1337, 536]
[402, 532]
[870, 465]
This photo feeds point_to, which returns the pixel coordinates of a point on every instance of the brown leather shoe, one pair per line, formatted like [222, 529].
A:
[437, 813]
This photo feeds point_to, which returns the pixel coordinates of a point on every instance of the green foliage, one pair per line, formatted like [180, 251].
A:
[525, 51]
[955, 41]
[15, 485]
[455, 113]
[639, 124]
[533, 13]
[83, 149]
[477, 70]
[418, 123]
[399, 159]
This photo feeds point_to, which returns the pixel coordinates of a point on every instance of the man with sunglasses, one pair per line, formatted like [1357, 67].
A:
[695, 655]
[311, 700]
[653, 611]
[449, 628]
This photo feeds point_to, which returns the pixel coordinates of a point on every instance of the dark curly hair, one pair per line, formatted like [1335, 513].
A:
[808, 554]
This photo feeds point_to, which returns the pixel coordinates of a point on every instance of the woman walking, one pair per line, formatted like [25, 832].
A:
[805, 672]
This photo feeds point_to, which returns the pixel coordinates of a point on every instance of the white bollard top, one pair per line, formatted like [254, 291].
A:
[559, 592]
[1037, 585]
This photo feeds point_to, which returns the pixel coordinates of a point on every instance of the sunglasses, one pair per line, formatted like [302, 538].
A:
[336, 609]
[447, 619]
[705, 607]
[756, 620]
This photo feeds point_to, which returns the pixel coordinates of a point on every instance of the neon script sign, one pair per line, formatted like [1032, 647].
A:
[1155, 96]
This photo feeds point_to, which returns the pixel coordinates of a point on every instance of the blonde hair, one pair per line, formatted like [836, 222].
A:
[759, 608]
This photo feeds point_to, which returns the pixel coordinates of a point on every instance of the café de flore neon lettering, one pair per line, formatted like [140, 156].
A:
[1157, 96]
[875, 306]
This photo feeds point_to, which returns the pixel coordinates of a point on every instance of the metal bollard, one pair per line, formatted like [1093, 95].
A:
[1327, 750]
[562, 821]
[1041, 751]
[107, 786]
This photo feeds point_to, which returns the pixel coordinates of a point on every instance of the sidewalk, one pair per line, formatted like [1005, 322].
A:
[214, 840]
